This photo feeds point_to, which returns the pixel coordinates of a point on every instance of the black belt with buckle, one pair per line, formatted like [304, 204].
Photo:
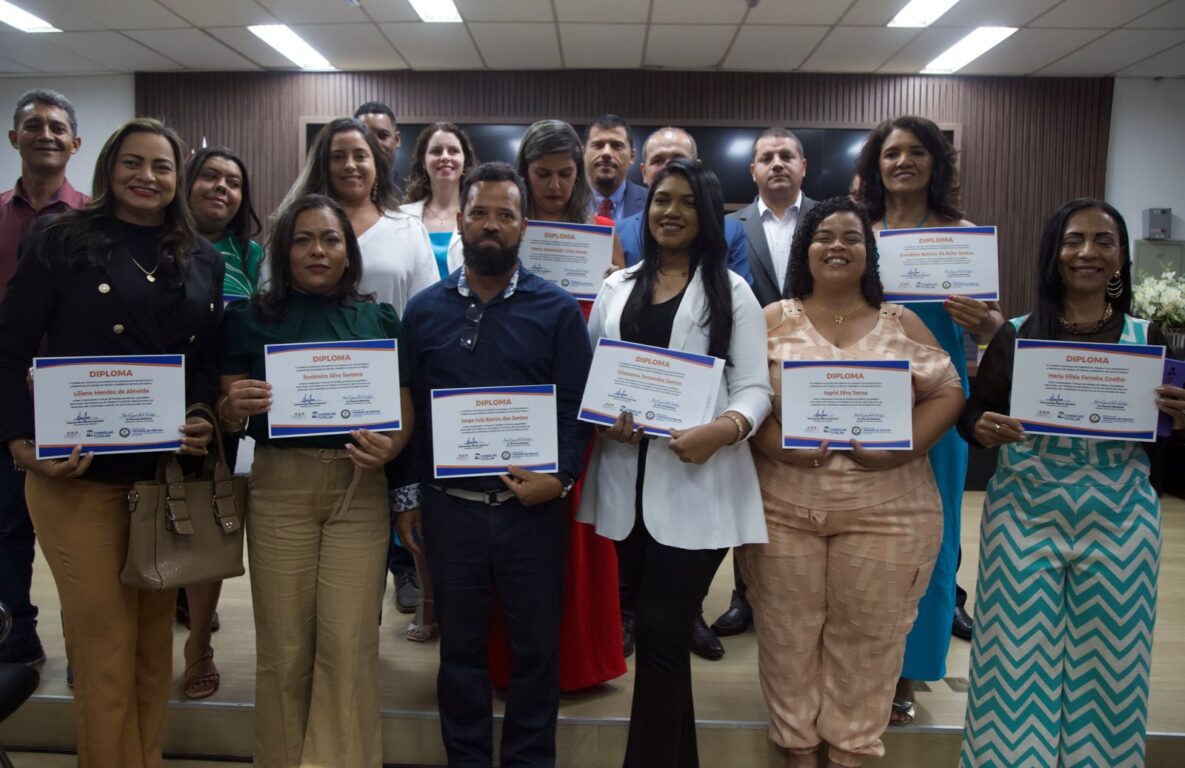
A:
[489, 498]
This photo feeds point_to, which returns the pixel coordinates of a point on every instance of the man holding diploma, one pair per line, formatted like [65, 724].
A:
[494, 324]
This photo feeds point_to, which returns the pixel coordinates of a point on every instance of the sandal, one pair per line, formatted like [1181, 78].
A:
[199, 685]
[422, 628]
[902, 713]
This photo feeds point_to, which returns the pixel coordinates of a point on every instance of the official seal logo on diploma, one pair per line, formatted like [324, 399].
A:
[505, 455]
[124, 432]
[345, 414]
[856, 430]
[1094, 418]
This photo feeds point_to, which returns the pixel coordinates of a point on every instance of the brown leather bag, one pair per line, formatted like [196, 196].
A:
[186, 531]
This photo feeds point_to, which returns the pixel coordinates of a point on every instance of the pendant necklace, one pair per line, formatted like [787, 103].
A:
[149, 276]
[839, 317]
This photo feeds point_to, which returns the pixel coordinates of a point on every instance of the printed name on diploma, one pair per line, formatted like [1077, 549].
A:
[108, 404]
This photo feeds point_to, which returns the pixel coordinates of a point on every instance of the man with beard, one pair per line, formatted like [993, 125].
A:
[608, 155]
[45, 133]
[493, 323]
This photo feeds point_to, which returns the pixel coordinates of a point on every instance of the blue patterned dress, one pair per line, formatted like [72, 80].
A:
[1066, 601]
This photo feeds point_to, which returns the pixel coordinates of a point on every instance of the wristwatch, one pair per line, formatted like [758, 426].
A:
[566, 481]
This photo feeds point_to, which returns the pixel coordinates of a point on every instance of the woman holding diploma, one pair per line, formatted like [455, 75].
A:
[907, 177]
[551, 161]
[442, 157]
[676, 505]
[1070, 537]
[347, 164]
[318, 526]
[124, 275]
[852, 533]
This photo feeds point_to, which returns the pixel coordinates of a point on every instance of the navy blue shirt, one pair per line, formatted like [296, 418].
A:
[629, 234]
[532, 333]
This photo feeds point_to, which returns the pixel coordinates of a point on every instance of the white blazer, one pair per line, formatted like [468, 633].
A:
[690, 506]
[455, 257]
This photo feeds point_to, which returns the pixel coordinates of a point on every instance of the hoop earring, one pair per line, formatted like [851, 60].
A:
[1115, 285]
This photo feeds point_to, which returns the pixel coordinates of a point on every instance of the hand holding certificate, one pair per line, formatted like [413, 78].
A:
[1099, 391]
[573, 256]
[662, 388]
[932, 264]
[837, 401]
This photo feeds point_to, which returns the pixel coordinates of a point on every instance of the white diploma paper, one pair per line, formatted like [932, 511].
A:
[573, 256]
[870, 401]
[113, 404]
[663, 388]
[1103, 391]
[934, 264]
[485, 430]
[333, 387]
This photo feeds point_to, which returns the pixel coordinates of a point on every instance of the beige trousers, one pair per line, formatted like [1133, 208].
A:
[317, 576]
[834, 595]
[119, 639]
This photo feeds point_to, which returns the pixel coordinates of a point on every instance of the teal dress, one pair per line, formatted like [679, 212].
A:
[242, 268]
[440, 243]
[929, 640]
[308, 318]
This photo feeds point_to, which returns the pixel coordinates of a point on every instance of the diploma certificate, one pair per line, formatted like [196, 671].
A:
[870, 401]
[573, 256]
[1101, 391]
[663, 388]
[918, 265]
[333, 387]
[108, 404]
[485, 430]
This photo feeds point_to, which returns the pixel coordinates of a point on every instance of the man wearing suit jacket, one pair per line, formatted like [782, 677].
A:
[608, 155]
[769, 221]
[778, 168]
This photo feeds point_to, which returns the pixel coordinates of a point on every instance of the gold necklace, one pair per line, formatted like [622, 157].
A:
[147, 275]
[1073, 327]
[839, 317]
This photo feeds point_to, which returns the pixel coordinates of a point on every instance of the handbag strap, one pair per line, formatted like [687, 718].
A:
[175, 491]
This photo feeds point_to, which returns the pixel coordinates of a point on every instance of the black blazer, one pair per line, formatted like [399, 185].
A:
[761, 264]
[80, 309]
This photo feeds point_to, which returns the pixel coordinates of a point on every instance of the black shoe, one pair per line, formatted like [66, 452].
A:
[407, 592]
[703, 643]
[28, 652]
[736, 620]
[627, 636]
[962, 625]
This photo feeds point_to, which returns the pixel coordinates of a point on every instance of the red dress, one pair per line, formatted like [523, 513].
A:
[590, 632]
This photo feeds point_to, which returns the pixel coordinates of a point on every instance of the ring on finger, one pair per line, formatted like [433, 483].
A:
[816, 462]
[997, 426]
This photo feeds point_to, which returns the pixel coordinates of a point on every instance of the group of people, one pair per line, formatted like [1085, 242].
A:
[543, 582]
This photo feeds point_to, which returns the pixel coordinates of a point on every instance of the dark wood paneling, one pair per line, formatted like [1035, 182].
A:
[1028, 144]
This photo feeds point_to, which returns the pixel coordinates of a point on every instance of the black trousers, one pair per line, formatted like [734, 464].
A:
[475, 551]
[16, 556]
[668, 585]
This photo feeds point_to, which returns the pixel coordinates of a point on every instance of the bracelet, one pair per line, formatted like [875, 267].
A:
[27, 442]
[740, 427]
[234, 424]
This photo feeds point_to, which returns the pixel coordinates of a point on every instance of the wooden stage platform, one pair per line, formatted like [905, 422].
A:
[592, 728]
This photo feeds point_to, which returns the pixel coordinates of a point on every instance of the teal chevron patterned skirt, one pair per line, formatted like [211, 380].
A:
[1064, 610]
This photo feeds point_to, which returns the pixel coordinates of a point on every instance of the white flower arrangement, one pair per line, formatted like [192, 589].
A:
[1160, 299]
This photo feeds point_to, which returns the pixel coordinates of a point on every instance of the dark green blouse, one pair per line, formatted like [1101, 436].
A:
[308, 318]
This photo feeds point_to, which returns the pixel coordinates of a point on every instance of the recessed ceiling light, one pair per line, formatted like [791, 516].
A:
[436, 10]
[968, 50]
[23, 20]
[921, 13]
[291, 46]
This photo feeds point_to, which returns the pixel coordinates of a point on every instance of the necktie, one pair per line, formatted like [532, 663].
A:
[606, 209]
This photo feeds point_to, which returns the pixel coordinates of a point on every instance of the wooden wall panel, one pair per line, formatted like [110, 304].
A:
[1028, 144]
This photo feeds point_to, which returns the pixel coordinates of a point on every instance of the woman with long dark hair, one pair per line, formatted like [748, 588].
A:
[908, 177]
[1070, 535]
[319, 524]
[676, 505]
[442, 157]
[852, 533]
[126, 274]
[347, 164]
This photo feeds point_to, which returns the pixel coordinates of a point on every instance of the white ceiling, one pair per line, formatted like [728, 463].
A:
[1138, 38]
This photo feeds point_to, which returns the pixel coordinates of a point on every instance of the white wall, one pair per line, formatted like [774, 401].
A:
[102, 103]
[1146, 153]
